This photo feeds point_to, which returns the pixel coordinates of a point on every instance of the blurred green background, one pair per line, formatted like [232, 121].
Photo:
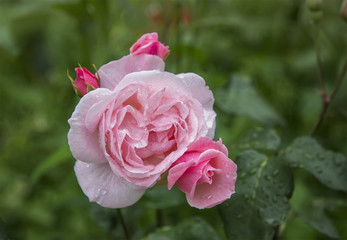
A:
[265, 48]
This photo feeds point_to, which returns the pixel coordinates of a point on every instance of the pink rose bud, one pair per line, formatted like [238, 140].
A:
[204, 173]
[85, 81]
[149, 44]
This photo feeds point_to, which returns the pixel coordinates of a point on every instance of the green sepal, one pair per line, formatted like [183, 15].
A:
[97, 74]
[77, 90]
[90, 88]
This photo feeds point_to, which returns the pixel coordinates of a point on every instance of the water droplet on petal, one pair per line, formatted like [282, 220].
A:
[88, 165]
[103, 192]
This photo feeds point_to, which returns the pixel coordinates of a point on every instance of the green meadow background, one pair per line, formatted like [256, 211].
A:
[258, 58]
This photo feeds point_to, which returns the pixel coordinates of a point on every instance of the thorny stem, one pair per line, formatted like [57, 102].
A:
[159, 215]
[326, 99]
[124, 225]
[276, 235]
[339, 81]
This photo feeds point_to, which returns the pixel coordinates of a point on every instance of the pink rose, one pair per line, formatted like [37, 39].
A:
[85, 81]
[126, 134]
[149, 44]
[204, 173]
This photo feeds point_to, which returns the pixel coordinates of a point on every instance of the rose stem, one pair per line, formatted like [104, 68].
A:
[124, 225]
[326, 99]
[159, 215]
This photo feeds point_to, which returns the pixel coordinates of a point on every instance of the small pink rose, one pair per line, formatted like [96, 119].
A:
[85, 81]
[204, 173]
[149, 44]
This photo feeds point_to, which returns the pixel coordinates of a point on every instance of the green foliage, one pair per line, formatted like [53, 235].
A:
[242, 99]
[317, 218]
[328, 167]
[192, 229]
[259, 138]
[263, 189]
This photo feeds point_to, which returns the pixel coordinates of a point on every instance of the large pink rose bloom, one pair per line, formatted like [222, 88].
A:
[204, 173]
[126, 136]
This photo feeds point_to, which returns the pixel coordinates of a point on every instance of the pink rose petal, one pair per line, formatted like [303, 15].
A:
[84, 144]
[101, 185]
[113, 72]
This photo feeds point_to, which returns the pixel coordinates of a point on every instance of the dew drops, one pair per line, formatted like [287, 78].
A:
[209, 196]
[275, 173]
[252, 171]
[103, 192]
[88, 165]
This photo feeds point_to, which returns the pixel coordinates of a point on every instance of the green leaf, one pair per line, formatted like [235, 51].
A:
[242, 99]
[192, 229]
[61, 155]
[259, 138]
[317, 218]
[263, 188]
[160, 197]
[328, 167]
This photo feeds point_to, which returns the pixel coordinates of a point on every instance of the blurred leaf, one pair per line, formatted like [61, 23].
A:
[61, 155]
[190, 229]
[317, 218]
[3, 232]
[328, 167]
[259, 138]
[160, 197]
[242, 99]
[106, 218]
[263, 188]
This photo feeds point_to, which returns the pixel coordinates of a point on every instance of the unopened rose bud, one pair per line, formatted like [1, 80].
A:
[85, 81]
[343, 10]
[149, 44]
[314, 5]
